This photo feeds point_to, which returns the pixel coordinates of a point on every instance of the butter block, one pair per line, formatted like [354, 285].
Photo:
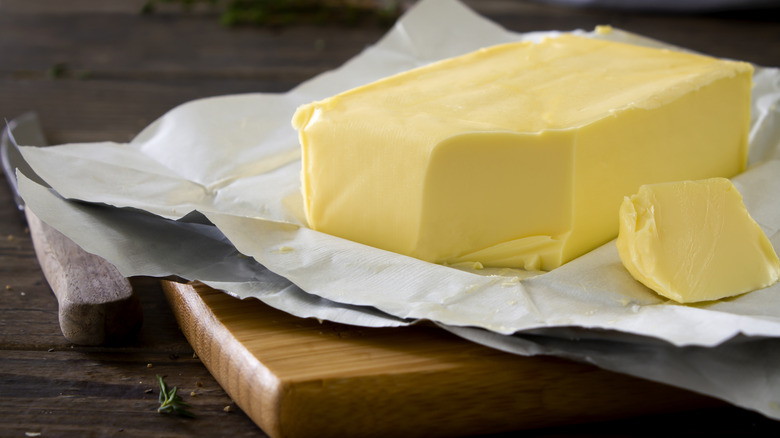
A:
[694, 241]
[517, 155]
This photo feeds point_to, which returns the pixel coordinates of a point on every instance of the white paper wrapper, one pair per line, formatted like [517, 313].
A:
[235, 159]
[141, 244]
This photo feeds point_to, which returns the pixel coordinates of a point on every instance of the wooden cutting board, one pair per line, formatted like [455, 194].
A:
[301, 378]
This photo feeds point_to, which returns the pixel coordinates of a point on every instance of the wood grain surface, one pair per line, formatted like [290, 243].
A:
[100, 71]
[306, 378]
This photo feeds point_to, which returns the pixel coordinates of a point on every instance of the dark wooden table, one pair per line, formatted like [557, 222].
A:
[99, 71]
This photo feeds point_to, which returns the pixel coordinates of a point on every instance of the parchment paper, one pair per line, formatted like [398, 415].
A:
[235, 160]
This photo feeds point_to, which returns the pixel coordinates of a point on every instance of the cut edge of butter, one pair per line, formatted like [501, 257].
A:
[694, 241]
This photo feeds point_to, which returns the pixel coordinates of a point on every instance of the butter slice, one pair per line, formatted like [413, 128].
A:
[517, 155]
[694, 241]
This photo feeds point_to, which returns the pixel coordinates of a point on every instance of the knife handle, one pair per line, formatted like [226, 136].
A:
[97, 304]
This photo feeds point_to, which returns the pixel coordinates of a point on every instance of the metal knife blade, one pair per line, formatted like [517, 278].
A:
[28, 127]
[97, 305]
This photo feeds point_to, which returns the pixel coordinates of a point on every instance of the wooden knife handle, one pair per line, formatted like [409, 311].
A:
[97, 305]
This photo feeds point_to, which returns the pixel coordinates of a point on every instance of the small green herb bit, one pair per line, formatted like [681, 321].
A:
[170, 402]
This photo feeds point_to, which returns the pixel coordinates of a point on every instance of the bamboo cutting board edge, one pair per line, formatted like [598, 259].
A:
[299, 377]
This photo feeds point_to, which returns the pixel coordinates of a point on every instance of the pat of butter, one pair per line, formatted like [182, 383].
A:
[517, 155]
[694, 241]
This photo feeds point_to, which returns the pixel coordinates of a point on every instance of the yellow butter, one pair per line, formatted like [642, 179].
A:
[694, 241]
[517, 155]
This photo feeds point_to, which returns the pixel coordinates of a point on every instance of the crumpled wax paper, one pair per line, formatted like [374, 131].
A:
[235, 161]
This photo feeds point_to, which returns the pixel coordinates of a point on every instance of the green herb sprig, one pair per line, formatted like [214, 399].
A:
[170, 402]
